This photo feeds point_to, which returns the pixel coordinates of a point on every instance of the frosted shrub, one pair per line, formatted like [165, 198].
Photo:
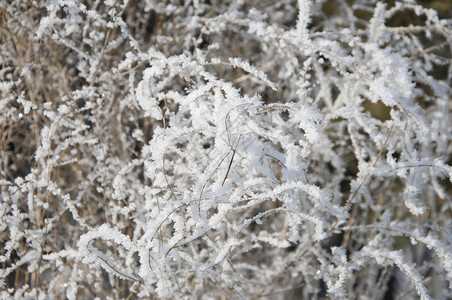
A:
[225, 149]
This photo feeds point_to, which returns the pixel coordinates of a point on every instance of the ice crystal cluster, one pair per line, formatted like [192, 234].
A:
[189, 149]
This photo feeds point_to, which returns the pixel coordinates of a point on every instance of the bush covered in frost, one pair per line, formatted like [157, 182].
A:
[225, 149]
